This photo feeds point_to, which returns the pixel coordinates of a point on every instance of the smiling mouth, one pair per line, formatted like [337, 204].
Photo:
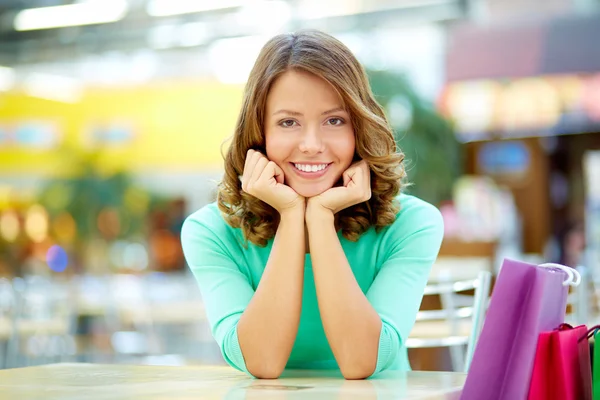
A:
[311, 168]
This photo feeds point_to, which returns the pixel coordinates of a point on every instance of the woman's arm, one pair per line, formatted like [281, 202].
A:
[254, 330]
[408, 250]
[351, 324]
[366, 332]
[268, 327]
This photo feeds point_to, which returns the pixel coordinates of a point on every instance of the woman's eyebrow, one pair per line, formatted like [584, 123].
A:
[299, 114]
[288, 112]
[334, 110]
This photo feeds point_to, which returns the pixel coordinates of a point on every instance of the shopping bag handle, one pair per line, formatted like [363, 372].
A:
[564, 327]
[591, 332]
[574, 278]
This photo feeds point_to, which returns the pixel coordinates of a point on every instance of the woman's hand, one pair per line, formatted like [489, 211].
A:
[356, 189]
[264, 179]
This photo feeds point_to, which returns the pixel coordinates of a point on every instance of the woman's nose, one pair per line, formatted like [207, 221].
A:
[311, 142]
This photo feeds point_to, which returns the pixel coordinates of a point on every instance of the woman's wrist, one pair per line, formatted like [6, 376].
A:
[318, 215]
[293, 213]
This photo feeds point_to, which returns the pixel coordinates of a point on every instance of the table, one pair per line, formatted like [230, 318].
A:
[94, 382]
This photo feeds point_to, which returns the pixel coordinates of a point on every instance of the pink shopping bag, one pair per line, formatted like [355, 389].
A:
[562, 369]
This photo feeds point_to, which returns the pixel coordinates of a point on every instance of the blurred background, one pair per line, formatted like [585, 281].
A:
[113, 114]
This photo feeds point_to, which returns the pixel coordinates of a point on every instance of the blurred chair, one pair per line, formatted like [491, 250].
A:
[153, 318]
[177, 313]
[43, 323]
[581, 299]
[158, 315]
[129, 314]
[8, 310]
[458, 322]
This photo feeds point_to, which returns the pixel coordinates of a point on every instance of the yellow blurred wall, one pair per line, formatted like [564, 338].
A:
[177, 126]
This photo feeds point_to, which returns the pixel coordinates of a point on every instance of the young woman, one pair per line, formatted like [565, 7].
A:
[311, 257]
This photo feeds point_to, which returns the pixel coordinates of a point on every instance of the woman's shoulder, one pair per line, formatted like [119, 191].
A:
[208, 216]
[416, 215]
[207, 220]
[413, 207]
[417, 231]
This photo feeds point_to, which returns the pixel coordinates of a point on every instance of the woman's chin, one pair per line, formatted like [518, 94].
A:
[310, 191]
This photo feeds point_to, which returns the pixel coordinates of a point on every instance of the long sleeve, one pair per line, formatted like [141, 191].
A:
[409, 250]
[225, 290]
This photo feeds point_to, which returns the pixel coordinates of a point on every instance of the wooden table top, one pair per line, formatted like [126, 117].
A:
[94, 382]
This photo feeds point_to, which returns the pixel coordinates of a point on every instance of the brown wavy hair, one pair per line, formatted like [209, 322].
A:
[326, 57]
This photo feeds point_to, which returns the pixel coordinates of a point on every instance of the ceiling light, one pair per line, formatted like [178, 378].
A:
[53, 87]
[88, 13]
[7, 78]
[163, 8]
[232, 59]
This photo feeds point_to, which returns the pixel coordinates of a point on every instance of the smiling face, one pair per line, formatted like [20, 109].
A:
[308, 132]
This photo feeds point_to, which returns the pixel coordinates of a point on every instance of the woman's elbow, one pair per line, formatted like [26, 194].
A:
[266, 374]
[356, 372]
[355, 375]
[266, 371]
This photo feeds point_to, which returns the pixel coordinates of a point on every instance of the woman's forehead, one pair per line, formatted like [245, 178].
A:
[300, 92]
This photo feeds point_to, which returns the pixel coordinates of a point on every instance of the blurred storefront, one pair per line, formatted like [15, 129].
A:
[111, 131]
[525, 99]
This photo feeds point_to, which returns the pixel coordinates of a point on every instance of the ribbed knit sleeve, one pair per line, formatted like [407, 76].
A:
[225, 290]
[409, 250]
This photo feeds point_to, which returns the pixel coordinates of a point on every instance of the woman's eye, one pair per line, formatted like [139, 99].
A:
[335, 121]
[288, 123]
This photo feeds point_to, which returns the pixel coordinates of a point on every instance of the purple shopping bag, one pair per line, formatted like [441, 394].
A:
[527, 299]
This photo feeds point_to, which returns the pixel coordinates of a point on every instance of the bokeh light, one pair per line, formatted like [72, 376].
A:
[116, 252]
[135, 257]
[57, 258]
[65, 227]
[136, 200]
[5, 195]
[109, 223]
[36, 223]
[58, 196]
[9, 225]
[39, 250]
[129, 255]
[165, 248]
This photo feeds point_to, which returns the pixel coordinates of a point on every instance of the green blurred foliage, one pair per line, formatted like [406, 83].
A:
[89, 191]
[434, 157]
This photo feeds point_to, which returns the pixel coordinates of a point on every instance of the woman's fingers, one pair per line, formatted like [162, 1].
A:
[350, 175]
[362, 174]
[358, 179]
[272, 170]
[248, 157]
[252, 158]
[364, 180]
[258, 169]
[248, 168]
[279, 174]
[259, 179]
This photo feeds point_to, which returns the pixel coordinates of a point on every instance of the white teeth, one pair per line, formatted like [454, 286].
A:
[310, 168]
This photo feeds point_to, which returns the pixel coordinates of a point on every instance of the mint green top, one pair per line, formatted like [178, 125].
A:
[391, 267]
